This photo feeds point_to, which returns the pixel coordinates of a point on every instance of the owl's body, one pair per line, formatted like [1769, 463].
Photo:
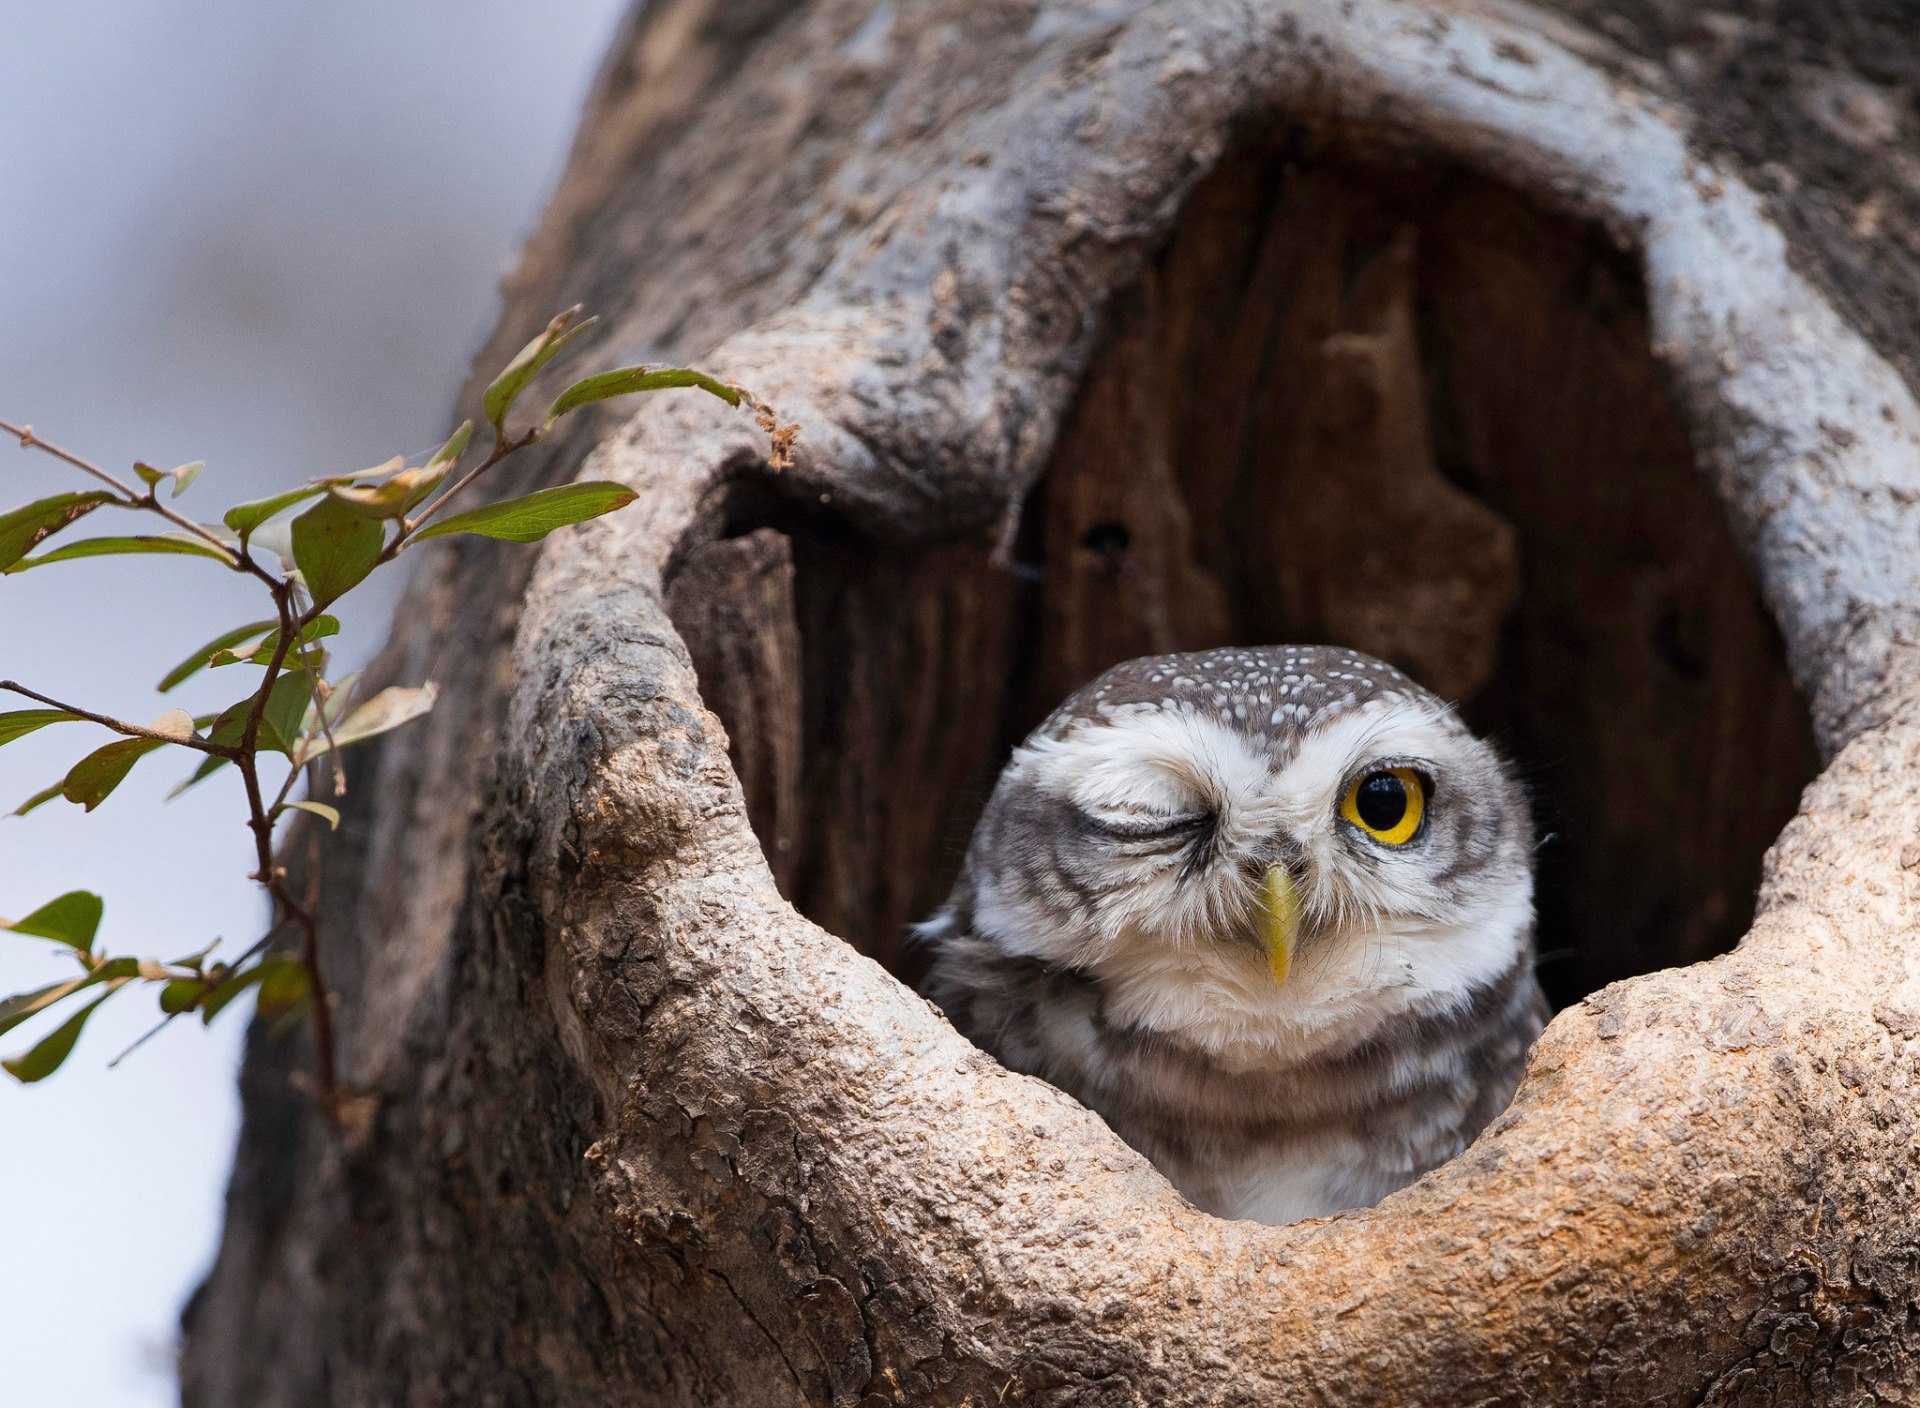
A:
[1269, 912]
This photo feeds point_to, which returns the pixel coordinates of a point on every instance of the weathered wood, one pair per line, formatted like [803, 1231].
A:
[731, 603]
[646, 1134]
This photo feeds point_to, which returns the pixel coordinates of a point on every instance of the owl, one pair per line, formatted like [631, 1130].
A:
[1269, 912]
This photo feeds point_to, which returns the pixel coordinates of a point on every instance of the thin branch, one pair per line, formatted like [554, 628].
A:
[253, 951]
[218, 750]
[410, 526]
[260, 820]
[30, 441]
[294, 774]
[298, 770]
[326, 1082]
[319, 713]
[148, 1036]
[240, 560]
[280, 797]
[250, 733]
[300, 764]
[333, 744]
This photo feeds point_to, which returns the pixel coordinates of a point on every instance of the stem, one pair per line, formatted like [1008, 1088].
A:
[29, 441]
[280, 797]
[201, 745]
[241, 560]
[409, 526]
[326, 1084]
[333, 745]
[145, 1037]
[260, 820]
[319, 712]
[286, 788]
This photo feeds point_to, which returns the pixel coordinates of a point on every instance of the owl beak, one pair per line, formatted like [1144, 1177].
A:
[1279, 918]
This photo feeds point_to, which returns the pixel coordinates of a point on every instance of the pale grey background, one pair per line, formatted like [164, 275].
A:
[268, 236]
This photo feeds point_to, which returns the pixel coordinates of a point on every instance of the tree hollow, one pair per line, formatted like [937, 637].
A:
[1355, 399]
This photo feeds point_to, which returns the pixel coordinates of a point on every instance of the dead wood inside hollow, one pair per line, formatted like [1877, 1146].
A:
[1389, 406]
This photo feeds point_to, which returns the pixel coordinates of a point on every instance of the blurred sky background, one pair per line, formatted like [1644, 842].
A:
[268, 236]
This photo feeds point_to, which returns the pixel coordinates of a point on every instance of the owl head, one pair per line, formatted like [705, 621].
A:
[1257, 847]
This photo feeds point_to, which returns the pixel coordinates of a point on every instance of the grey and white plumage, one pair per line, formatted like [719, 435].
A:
[1110, 933]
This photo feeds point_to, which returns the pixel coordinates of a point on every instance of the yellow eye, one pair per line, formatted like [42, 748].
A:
[1388, 805]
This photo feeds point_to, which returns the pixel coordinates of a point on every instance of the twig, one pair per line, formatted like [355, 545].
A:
[260, 819]
[320, 715]
[286, 786]
[218, 750]
[410, 526]
[30, 441]
[240, 560]
[147, 1036]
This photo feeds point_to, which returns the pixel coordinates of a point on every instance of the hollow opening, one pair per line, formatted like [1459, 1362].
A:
[1385, 405]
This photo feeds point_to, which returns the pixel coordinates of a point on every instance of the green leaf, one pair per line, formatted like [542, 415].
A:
[22, 722]
[37, 800]
[307, 652]
[383, 713]
[182, 994]
[455, 447]
[222, 658]
[283, 984]
[335, 548]
[319, 628]
[181, 475]
[200, 659]
[230, 724]
[286, 706]
[23, 1005]
[320, 809]
[194, 959]
[244, 518]
[94, 777]
[177, 543]
[529, 519]
[229, 987]
[526, 365]
[624, 381]
[391, 498]
[23, 528]
[72, 919]
[46, 1058]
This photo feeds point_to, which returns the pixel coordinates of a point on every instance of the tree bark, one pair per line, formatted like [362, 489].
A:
[1567, 355]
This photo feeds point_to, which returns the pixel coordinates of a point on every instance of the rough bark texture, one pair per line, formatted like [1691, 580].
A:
[1554, 353]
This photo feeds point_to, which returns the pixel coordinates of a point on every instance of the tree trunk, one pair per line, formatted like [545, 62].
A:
[1566, 357]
